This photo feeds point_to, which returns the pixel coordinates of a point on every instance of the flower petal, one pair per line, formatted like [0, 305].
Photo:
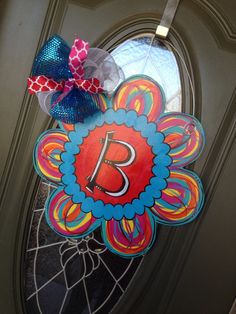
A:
[47, 154]
[181, 201]
[129, 238]
[184, 134]
[141, 94]
[67, 218]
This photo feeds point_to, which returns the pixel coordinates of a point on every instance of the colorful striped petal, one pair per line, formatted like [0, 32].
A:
[185, 136]
[47, 154]
[181, 201]
[129, 238]
[141, 94]
[67, 218]
[103, 102]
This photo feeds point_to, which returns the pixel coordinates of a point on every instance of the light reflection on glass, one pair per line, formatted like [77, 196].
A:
[145, 55]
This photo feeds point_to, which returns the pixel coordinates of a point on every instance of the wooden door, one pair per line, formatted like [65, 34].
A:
[191, 269]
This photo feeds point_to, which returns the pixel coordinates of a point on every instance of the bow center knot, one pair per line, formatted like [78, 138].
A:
[69, 85]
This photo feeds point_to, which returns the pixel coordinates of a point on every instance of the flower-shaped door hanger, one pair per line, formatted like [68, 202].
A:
[119, 164]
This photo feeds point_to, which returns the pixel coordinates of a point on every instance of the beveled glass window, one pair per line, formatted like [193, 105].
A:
[149, 56]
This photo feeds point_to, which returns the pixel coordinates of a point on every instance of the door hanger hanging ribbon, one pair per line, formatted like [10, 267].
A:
[167, 18]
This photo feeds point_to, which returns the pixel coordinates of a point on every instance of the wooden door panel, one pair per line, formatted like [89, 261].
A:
[21, 25]
[210, 270]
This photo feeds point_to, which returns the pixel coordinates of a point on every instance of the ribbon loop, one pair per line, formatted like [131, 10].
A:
[77, 57]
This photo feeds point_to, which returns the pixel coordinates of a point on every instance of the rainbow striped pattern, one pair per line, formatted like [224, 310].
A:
[185, 136]
[67, 218]
[142, 95]
[47, 159]
[181, 201]
[126, 237]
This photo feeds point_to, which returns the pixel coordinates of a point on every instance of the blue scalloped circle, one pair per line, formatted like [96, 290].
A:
[160, 168]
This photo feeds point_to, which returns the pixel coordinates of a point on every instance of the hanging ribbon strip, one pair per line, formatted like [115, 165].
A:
[167, 18]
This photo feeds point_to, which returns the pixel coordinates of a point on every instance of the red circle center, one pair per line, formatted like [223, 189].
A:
[107, 156]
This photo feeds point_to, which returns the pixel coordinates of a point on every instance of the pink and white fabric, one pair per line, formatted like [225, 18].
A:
[77, 57]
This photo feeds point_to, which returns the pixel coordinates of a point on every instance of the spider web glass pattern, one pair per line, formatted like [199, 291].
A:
[71, 276]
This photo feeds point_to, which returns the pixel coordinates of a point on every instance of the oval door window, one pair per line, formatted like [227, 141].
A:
[83, 276]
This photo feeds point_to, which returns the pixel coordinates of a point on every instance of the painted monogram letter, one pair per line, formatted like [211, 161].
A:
[113, 163]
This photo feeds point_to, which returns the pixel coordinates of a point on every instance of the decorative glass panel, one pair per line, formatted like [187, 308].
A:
[83, 276]
[147, 55]
[71, 276]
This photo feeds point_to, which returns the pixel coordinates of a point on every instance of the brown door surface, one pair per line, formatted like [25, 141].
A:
[191, 269]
